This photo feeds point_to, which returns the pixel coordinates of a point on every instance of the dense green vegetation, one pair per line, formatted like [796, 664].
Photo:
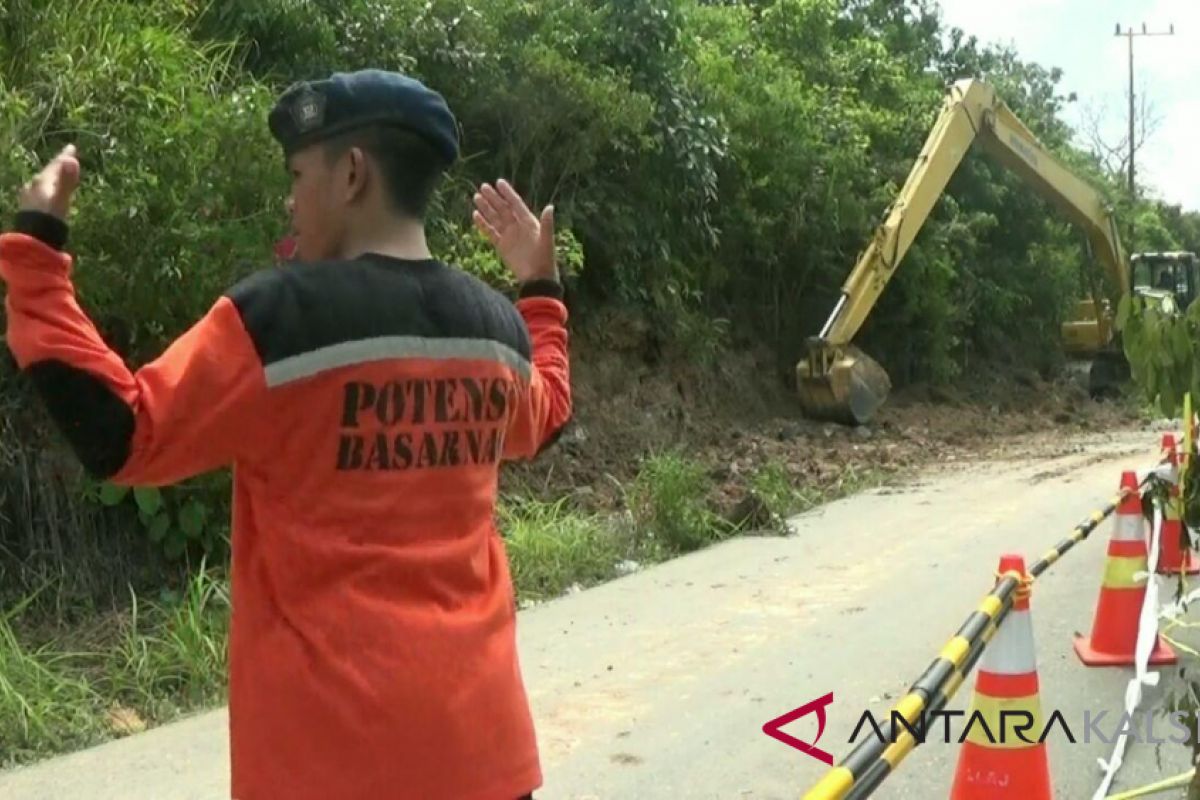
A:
[717, 166]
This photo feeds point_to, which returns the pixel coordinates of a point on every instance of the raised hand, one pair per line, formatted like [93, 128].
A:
[525, 243]
[51, 190]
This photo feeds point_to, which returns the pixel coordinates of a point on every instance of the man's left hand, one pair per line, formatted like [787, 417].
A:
[51, 189]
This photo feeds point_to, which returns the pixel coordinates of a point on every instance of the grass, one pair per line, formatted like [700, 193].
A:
[153, 662]
[171, 655]
[784, 497]
[45, 704]
[669, 500]
[160, 657]
[551, 548]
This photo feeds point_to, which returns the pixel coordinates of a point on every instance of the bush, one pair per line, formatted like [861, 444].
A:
[669, 500]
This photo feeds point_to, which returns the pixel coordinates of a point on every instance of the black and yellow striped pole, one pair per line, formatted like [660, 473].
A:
[1082, 531]
[874, 759]
[869, 764]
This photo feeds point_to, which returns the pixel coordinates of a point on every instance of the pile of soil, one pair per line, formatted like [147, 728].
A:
[634, 396]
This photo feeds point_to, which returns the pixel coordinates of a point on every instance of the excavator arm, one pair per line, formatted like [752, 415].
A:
[837, 381]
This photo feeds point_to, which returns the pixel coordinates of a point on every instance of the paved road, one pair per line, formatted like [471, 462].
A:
[657, 685]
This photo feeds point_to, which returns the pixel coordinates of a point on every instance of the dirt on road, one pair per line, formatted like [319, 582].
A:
[737, 416]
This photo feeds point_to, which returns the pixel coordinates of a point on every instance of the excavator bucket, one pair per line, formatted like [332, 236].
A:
[842, 385]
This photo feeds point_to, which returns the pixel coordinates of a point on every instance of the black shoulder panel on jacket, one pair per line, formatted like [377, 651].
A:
[301, 308]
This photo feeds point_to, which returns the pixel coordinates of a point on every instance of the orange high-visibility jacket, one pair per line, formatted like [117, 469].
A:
[365, 407]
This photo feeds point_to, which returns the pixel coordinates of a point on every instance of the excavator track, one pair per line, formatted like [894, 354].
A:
[1110, 371]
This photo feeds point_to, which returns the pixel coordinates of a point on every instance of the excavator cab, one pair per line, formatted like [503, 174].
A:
[1169, 279]
[1162, 275]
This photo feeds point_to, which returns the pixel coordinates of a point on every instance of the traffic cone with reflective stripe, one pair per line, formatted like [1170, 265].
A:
[1173, 556]
[1001, 756]
[1119, 610]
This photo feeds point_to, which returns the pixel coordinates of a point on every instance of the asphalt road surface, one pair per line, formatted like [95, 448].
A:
[657, 685]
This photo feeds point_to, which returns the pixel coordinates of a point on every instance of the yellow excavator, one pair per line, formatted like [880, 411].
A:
[838, 382]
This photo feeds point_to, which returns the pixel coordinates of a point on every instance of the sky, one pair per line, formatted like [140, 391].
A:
[1077, 36]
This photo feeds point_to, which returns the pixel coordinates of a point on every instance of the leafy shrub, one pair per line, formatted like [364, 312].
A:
[177, 517]
[551, 548]
[669, 500]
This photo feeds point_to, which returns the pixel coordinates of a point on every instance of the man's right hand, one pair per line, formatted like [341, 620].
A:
[50, 191]
[525, 243]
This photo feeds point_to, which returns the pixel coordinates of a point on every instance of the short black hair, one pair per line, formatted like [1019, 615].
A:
[412, 167]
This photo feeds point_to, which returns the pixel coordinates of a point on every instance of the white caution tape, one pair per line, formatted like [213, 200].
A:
[1146, 639]
[1165, 471]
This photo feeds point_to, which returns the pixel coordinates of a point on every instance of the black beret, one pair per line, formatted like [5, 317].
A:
[311, 111]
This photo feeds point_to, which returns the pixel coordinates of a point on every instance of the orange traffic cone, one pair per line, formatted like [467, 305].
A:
[1174, 557]
[1115, 627]
[995, 762]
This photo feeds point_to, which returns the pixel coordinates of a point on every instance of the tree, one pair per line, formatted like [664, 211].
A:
[1114, 152]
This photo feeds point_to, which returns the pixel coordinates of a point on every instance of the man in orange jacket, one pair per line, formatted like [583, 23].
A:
[365, 396]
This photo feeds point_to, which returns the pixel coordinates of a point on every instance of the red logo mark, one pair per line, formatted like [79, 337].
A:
[817, 706]
[285, 249]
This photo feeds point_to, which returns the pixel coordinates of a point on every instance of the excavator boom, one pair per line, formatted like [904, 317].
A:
[837, 381]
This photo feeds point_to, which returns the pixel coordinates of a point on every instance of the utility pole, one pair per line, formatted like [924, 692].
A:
[1130, 34]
